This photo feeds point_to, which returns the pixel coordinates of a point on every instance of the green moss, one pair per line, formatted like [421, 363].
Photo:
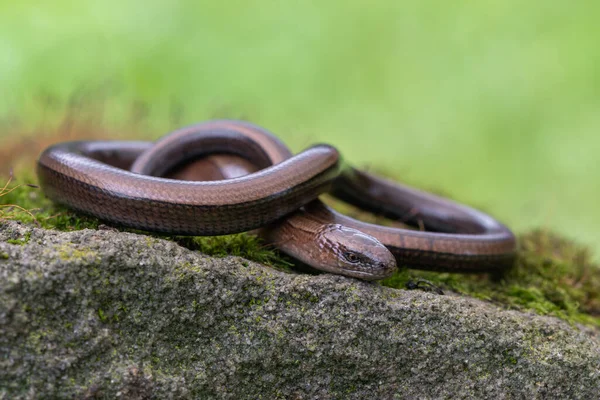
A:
[102, 316]
[70, 253]
[150, 241]
[21, 241]
[111, 313]
[241, 244]
[34, 207]
[509, 358]
[4, 256]
[551, 276]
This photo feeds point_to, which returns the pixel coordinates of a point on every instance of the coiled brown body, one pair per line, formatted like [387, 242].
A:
[87, 177]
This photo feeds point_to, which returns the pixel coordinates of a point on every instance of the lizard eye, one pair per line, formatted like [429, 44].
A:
[351, 257]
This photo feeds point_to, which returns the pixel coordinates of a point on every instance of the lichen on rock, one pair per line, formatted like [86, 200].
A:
[101, 314]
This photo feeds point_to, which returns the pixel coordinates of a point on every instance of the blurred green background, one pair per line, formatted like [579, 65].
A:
[493, 103]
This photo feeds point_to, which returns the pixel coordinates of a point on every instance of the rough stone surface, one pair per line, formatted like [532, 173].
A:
[99, 314]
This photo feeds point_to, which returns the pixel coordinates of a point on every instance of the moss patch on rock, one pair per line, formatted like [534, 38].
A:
[552, 276]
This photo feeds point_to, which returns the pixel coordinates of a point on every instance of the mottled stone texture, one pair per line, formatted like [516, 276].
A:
[101, 314]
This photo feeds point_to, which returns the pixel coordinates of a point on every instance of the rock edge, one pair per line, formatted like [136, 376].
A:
[99, 314]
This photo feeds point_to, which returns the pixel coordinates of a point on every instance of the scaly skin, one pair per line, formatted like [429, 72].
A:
[90, 177]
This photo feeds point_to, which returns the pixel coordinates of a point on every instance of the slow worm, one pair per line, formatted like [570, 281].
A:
[91, 177]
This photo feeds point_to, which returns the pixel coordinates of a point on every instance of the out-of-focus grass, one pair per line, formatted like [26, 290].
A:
[495, 103]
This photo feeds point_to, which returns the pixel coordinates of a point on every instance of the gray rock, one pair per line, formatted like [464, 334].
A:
[100, 314]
